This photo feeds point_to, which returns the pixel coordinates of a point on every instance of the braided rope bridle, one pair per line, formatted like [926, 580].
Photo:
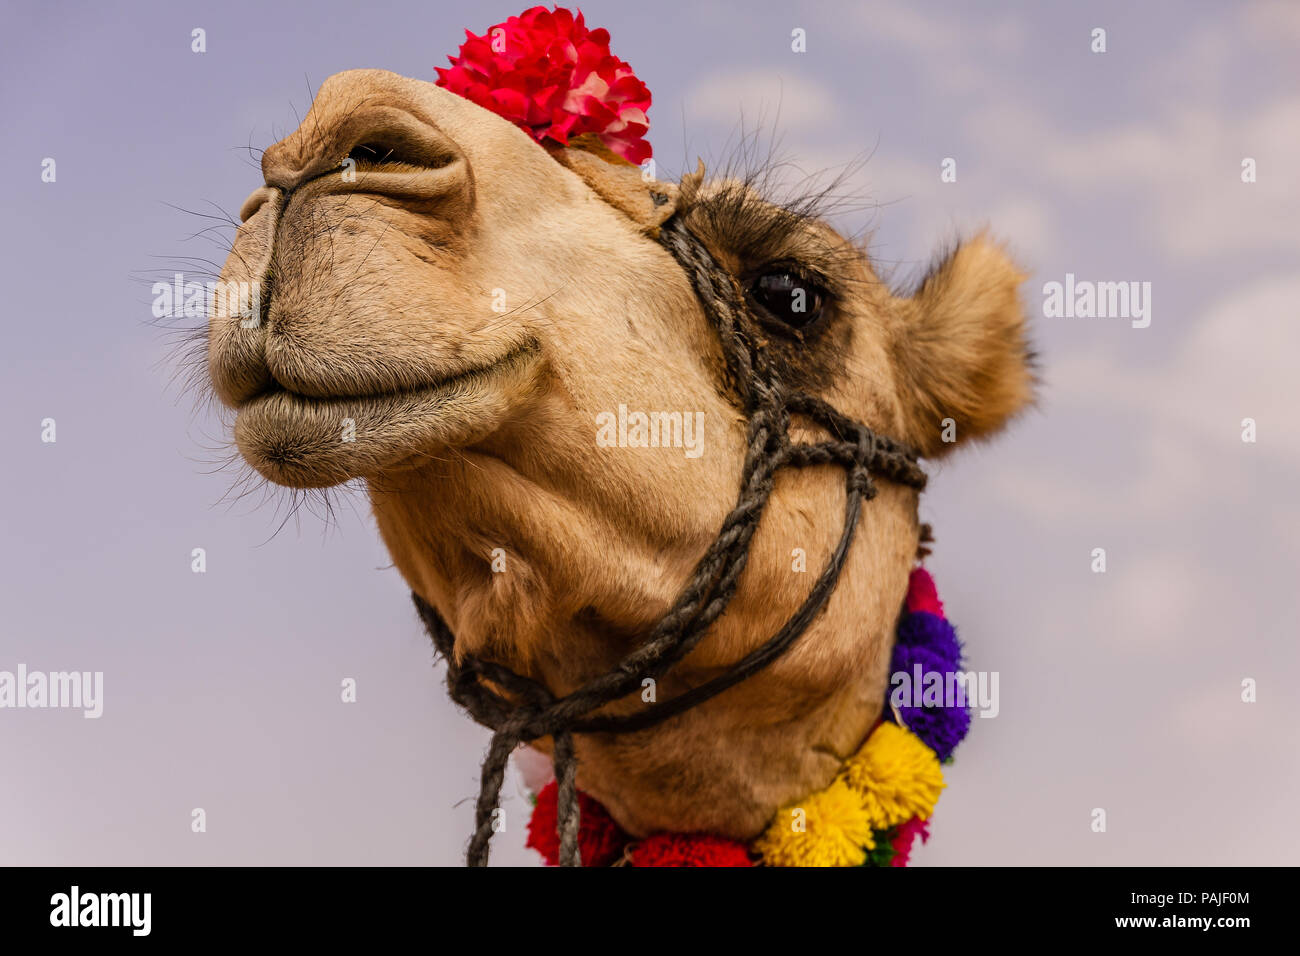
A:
[532, 711]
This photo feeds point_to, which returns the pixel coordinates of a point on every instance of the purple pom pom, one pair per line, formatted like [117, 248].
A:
[939, 728]
[928, 640]
[923, 629]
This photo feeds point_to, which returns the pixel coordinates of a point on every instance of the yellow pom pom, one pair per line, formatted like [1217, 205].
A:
[897, 775]
[828, 828]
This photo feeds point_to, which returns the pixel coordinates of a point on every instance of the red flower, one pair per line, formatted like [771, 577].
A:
[600, 839]
[551, 76]
[689, 849]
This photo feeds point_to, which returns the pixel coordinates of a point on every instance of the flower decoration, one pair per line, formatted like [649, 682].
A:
[928, 647]
[897, 776]
[836, 831]
[905, 837]
[689, 849]
[922, 595]
[600, 839]
[557, 80]
[942, 728]
[871, 814]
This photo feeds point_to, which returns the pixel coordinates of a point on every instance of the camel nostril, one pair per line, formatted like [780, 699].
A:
[254, 202]
[373, 153]
[380, 138]
[382, 153]
[391, 137]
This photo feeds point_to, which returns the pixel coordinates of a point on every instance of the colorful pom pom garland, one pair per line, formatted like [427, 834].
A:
[870, 815]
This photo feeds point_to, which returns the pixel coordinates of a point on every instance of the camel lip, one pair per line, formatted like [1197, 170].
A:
[304, 441]
[275, 387]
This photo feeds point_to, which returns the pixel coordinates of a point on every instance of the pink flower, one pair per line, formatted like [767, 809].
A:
[907, 834]
[922, 595]
[548, 74]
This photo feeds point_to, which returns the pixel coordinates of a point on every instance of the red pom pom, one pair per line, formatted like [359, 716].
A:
[689, 849]
[922, 595]
[600, 839]
[907, 834]
[551, 76]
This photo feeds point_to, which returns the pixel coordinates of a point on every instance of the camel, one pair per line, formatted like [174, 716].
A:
[453, 313]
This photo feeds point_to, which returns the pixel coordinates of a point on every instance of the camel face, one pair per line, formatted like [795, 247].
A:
[473, 324]
[424, 267]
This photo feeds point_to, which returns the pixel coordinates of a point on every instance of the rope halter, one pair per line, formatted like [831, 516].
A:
[524, 710]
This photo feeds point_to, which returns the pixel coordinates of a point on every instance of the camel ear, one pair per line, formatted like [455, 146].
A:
[965, 364]
[646, 201]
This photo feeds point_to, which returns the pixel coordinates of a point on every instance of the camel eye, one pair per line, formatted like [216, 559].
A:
[789, 297]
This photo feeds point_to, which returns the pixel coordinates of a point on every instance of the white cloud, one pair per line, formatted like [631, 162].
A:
[955, 50]
[1177, 168]
[1185, 166]
[782, 102]
[918, 214]
[1275, 21]
[1239, 362]
[1028, 226]
[1185, 416]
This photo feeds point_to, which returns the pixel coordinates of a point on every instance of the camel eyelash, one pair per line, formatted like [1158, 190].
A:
[799, 268]
[764, 235]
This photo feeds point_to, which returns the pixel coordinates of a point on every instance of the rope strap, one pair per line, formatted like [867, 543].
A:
[525, 710]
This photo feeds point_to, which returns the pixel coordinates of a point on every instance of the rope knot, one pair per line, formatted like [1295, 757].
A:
[860, 481]
[860, 477]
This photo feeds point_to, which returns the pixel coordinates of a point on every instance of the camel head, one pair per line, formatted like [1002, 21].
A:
[487, 333]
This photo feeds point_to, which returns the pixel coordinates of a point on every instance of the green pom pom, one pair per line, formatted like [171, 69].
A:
[884, 853]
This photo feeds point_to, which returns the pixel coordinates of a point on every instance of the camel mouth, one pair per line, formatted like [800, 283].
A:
[306, 441]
